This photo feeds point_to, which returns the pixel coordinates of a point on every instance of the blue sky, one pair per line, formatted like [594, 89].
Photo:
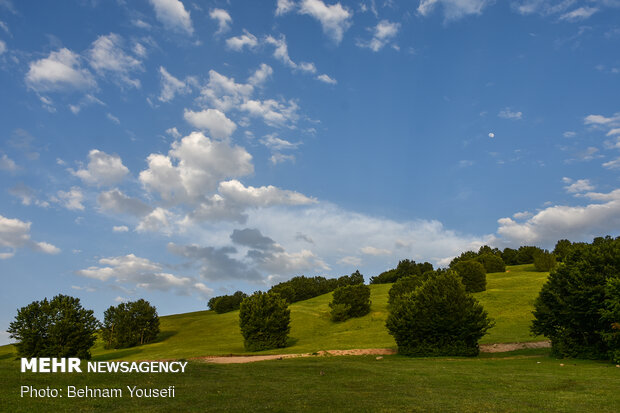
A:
[175, 150]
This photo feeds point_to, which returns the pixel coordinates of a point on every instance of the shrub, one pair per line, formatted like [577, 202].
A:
[544, 261]
[473, 275]
[492, 263]
[264, 319]
[354, 298]
[577, 308]
[439, 318]
[129, 324]
[56, 328]
[226, 303]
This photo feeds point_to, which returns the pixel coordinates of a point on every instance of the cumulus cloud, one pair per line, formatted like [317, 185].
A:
[27, 195]
[281, 53]
[272, 112]
[613, 164]
[171, 86]
[578, 186]
[117, 202]
[263, 196]
[213, 120]
[284, 6]
[326, 79]
[238, 43]
[193, 167]
[334, 19]
[507, 113]
[15, 234]
[102, 169]
[383, 33]
[260, 76]
[60, 71]
[158, 220]
[224, 93]
[172, 14]
[223, 20]
[143, 273]
[453, 9]
[252, 238]
[107, 56]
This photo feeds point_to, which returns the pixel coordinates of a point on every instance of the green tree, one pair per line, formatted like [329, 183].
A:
[350, 301]
[226, 303]
[129, 324]
[473, 275]
[491, 262]
[264, 319]
[562, 248]
[439, 318]
[60, 327]
[577, 308]
[544, 261]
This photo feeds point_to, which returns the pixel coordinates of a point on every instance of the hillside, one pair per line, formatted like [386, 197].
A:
[509, 300]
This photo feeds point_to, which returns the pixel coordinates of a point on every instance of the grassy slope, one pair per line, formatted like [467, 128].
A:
[529, 382]
[508, 299]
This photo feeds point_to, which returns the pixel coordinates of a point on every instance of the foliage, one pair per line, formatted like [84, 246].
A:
[225, 303]
[264, 319]
[129, 324]
[350, 301]
[473, 275]
[438, 318]
[577, 308]
[405, 268]
[491, 262]
[562, 248]
[544, 261]
[60, 327]
[406, 285]
[303, 288]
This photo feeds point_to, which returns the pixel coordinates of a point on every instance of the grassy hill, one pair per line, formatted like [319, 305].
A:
[509, 300]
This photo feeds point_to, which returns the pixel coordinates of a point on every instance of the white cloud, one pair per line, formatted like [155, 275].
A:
[261, 75]
[106, 56]
[613, 164]
[369, 250]
[71, 199]
[172, 14]
[200, 164]
[15, 234]
[334, 19]
[117, 202]
[453, 9]
[173, 132]
[326, 79]
[171, 86]
[120, 228]
[602, 120]
[507, 113]
[224, 93]
[275, 143]
[612, 132]
[60, 71]
[569, 134]
[223, 20]
[216, 122]
[142, 273]
[278, 157]
[263, 196]
[281, 53]
[284, 6]
[349, 260]
[113, 118]
[581, 13]
[581, 185]
[102, 169]
[237, 43]
[272, 112]
[383, 33]
[7, 164]
[2, 47]
[157, 221]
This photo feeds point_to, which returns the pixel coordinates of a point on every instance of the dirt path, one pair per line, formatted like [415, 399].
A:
[484, 348]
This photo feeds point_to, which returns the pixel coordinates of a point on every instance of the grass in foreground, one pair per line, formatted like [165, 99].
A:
[509, 300]
[527, 381]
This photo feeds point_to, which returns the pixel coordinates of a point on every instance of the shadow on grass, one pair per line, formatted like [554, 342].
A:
[291, 341]
[6, 356]
[164, 335]
[118, 354]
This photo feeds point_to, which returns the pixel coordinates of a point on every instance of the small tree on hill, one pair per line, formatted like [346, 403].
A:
[544, 261]
[439, 318]
[492, 263]
[60, 327]
[473, 275]
[129, 324]
[350, 301]
[264, 319]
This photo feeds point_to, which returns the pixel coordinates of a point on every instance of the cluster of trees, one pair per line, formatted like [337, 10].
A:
[350, 301]
[405, 268]
[578, 308]
[264, 319]
[225, 303]
[61, 327]
[490, 258]
[302, 288]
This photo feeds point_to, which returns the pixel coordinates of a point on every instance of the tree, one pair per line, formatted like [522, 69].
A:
[60, 327]
[405, 268]
[544, 261]
[350, 301]
[562, 248]
[404, 286]
[578, 308]
[226, 303]
[473, 275]
[492, 262]
[264, 319]
[439, 318]
[129, 324]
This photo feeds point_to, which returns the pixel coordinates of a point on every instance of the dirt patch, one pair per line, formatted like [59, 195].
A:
[484, 348]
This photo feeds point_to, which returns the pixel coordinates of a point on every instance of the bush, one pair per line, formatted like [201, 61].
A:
[129, 324]
[438, 319]
[350, 301]
[473, 275]
[56, 328]
[577, 308]
[492, 263]
[544, 261]
[264, 319]
[406, 285]
[226, 303]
